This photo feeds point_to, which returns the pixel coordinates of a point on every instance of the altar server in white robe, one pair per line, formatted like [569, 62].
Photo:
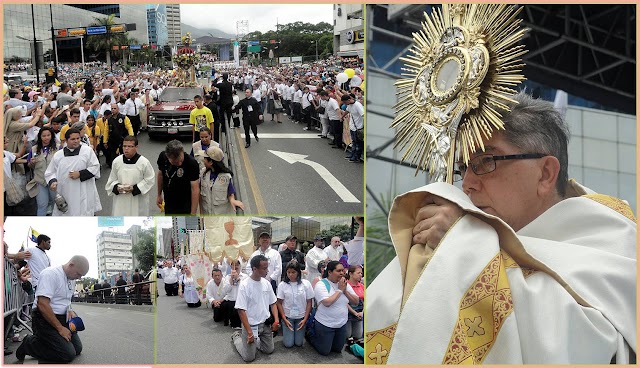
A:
[73, 173]
[524, 266]
[131, 179]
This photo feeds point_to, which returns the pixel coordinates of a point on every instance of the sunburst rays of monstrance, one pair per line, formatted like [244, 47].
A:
[461, 71]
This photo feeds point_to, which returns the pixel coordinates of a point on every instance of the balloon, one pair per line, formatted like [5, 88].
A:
[342, 77]
[5, 89]
[350, 72]
[355, 81]
[362, 85]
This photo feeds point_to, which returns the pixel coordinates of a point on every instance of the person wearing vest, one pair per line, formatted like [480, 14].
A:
[118, 127]
[199, 148]
[217, 193]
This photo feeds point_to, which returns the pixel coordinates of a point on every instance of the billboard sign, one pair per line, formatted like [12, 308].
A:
[96, 30]
[285, 60]
[62, 33]
[296, 59]
[77, 31]
[118, 28]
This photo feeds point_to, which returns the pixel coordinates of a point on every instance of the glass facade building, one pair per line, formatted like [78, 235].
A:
[157, 24]
[18, 28]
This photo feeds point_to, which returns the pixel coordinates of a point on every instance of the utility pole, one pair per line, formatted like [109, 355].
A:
[35, 46]
[53, 40]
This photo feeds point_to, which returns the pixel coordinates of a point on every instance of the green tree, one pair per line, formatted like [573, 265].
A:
[144, 250]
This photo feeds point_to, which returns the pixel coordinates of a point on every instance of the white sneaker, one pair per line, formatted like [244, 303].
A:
[305, 128]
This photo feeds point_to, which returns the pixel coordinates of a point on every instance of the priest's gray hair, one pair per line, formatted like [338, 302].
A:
[173, 149]
[535, 126]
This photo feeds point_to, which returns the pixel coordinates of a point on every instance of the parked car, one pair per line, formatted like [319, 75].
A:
[170, 115]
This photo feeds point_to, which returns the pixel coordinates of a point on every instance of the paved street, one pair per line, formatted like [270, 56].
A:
[289, 171]
[189, 336]
[112, 336]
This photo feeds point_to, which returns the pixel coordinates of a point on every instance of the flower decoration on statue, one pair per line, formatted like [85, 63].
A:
[186, 58]
[461, 71]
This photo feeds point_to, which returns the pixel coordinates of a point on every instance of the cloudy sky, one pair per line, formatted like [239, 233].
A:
[69, 236]
[261, 17]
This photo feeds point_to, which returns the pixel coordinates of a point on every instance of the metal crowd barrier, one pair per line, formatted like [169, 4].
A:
[15, 298]
[98, 296]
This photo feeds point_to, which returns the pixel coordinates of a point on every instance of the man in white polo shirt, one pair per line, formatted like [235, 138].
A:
[170, 277]
[39, 259]
[52, 340]
[255, 298]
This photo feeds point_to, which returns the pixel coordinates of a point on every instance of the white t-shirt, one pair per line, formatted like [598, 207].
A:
[109, 92]
[257, 95]
[295, 297]
[355, 251]
[356, 121]
[38, 262]
[255, 297]
[231, 289]
[332, 106]
[337, 314]
[332, 253]
[297, 96]
[54, 285]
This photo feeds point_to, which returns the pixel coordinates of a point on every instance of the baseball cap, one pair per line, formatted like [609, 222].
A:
[33, 93]
[215, 153]
[319, 237]
[263, 234]
[291, 237]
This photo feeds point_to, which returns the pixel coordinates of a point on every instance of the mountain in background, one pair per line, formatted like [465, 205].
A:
[199, 32]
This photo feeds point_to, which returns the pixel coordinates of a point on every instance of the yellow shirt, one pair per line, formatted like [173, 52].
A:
[201, 118]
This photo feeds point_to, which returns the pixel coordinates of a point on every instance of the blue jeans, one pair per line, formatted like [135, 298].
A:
[289, 338]
[327, 339]
[356, 150]
[45, 200]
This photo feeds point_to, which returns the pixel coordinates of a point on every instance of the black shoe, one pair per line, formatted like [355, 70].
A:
[257, 139]
[247, 145]
[20, 353]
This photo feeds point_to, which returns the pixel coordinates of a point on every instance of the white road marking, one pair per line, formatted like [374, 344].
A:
[327, 176]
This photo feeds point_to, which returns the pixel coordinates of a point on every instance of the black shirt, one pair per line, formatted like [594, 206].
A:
[176, 183]
[287, 255]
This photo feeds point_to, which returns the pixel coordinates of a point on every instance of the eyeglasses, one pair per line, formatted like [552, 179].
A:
[484, 164]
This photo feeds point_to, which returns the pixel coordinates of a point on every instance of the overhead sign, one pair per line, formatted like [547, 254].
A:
[118, 28]
[355, 36]
[135, 47]
[110, 221]
[254, 48]
[62, 33]
[285, 60]
[253, 43]
[96, 30]
[296, 59]
[77, 31]
[272, 41]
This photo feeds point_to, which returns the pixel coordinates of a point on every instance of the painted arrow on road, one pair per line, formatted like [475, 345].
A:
[327, 176]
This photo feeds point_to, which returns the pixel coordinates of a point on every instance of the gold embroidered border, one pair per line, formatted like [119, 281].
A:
[378, 344]
[483, 309]
[614, 203]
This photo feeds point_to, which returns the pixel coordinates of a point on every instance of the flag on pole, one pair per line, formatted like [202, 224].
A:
[34, 235]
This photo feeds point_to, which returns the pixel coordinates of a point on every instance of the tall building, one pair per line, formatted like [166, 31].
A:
[348, 30]
[174, 29]
[157, 24]
[18, 31]
[134, 232]
[114, 253]
[180, 225]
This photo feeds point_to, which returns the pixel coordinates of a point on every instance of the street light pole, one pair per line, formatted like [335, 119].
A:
[53, 40]
[35, 46]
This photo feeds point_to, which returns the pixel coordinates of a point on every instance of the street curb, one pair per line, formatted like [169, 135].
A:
[138, 308]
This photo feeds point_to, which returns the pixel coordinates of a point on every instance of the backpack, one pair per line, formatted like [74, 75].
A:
[311, 322]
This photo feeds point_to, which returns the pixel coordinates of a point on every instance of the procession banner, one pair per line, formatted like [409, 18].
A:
[230, 237]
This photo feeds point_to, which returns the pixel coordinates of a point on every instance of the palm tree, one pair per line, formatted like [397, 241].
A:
[105, 41]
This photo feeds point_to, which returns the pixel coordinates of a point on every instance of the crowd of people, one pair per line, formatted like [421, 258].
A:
[318, 296]
[59, 136]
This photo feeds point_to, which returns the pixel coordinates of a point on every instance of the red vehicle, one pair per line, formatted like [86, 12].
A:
[170, 115]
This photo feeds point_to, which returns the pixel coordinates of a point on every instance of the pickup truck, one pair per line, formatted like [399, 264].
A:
[170, 115]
